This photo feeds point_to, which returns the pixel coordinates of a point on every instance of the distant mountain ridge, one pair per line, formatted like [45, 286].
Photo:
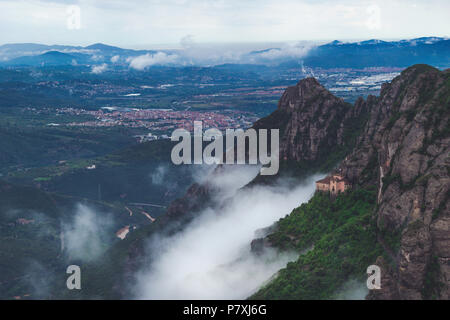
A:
[336, 54]
[33, 54]
[377, 53]
[49, 58]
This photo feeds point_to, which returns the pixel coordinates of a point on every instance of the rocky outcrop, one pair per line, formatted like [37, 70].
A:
[404, 151]
[258, 246]
[402, 148]
[311, 122]
[314, 127]
[388, 283]
[182, 210]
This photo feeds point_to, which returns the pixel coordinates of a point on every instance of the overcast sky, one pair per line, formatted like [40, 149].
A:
[143, 23]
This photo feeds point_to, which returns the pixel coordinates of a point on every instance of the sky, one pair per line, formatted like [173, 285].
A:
[143, 24]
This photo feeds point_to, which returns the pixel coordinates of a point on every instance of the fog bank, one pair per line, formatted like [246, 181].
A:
[211, 258]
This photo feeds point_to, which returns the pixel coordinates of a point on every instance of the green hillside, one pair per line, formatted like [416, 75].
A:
[339, 238]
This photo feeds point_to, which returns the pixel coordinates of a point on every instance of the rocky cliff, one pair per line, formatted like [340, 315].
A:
[401, 149]
[315, 126]
[404, 151]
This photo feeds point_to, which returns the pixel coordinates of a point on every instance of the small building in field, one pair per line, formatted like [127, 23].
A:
[334, 184]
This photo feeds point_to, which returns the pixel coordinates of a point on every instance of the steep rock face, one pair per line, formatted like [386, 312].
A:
[388, 283]
[311, 122]
[184, 208]
[404, 150]
[314, 126]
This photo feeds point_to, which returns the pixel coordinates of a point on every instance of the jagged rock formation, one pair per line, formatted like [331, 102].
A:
[313, 123]
[184, 208]
[316, 128]
[404, 150]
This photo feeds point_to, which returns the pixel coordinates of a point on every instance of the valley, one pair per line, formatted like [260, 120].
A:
[86, 178]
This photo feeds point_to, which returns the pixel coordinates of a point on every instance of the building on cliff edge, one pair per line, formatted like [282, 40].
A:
[334, 184]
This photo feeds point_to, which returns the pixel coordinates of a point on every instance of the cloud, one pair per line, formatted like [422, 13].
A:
[193, 53]
[288, 51]
[99, 68]
[158, 176]
[88, 235]
[147, 60]
[187, 41]
[352, 290]
[136, 22]
[114, 59]
[211, 258]
[96, 57]
[39, 279]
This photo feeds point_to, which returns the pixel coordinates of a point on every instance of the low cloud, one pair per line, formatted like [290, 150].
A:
[158, 176]
[147, 60]
[39, 280]
[211, 258]
[97, 57]
[287, 51]
[352, 290]
[193, 53]
[99, 69]
[115, 59]
[88, 235]
[187, 41]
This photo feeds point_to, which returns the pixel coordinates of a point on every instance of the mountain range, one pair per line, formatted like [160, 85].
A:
[336, 54]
